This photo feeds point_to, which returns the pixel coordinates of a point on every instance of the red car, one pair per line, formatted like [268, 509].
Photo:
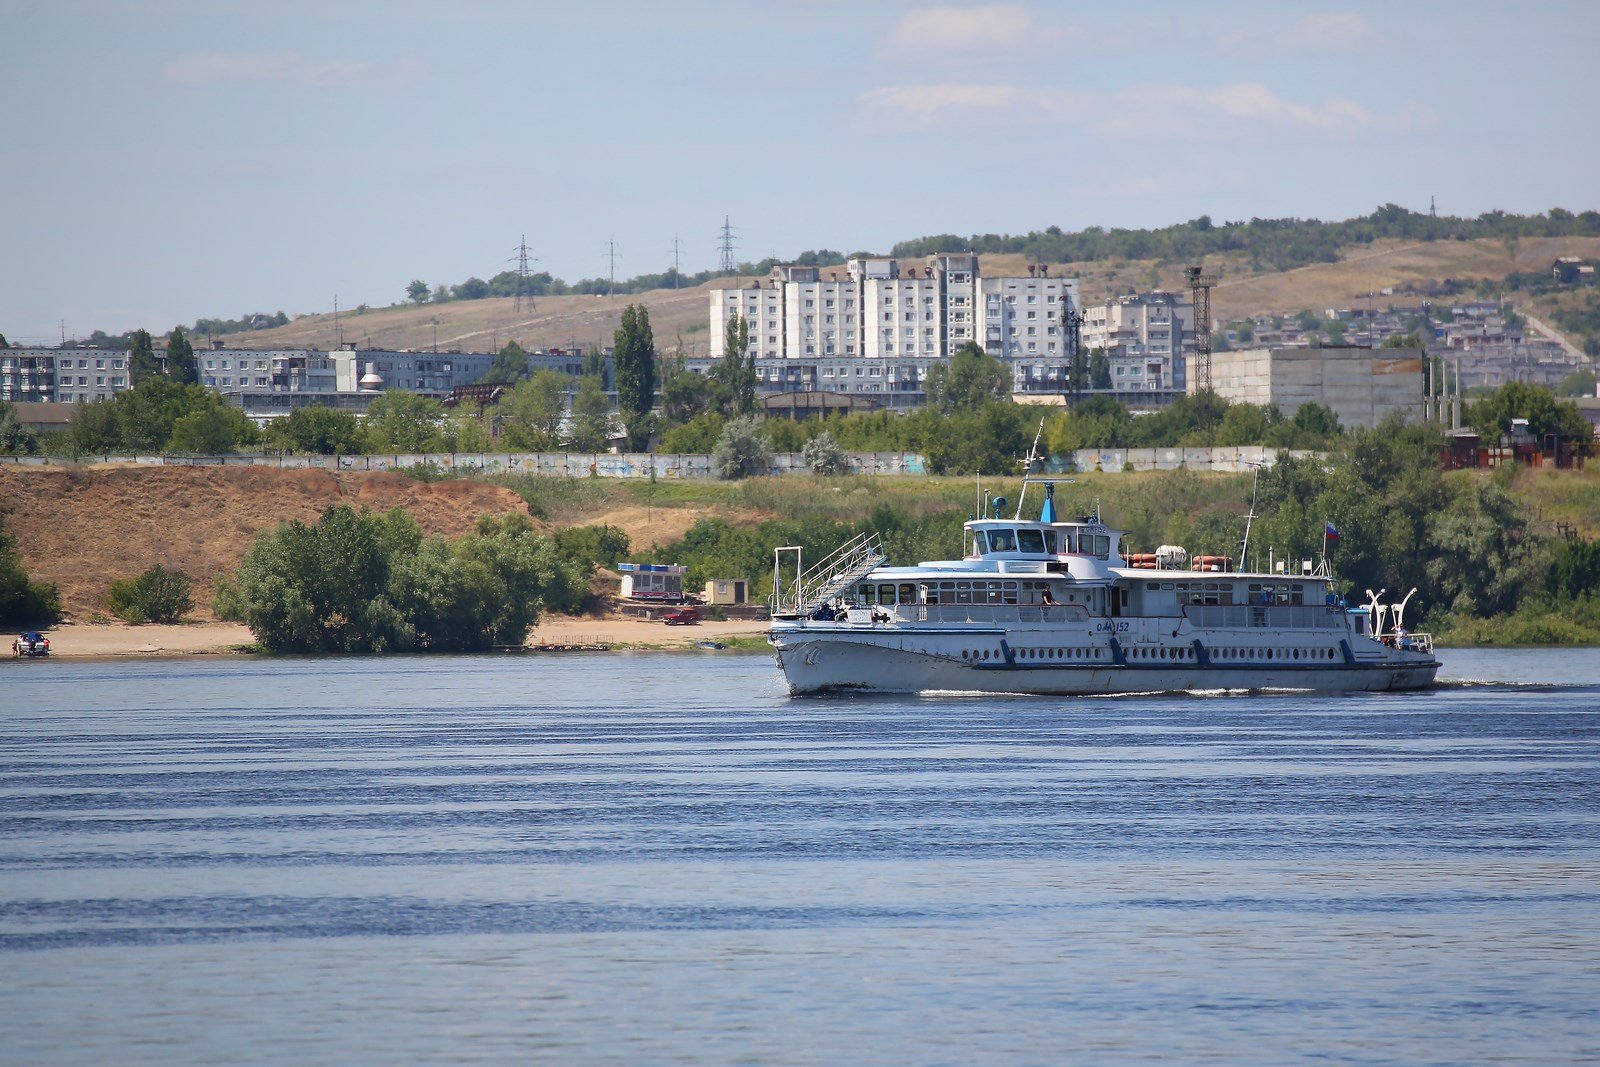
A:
[682, 617]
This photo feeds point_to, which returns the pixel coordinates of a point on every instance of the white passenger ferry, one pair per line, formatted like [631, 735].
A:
[1055, 607]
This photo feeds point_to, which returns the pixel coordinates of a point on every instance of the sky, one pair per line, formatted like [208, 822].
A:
[171, 159]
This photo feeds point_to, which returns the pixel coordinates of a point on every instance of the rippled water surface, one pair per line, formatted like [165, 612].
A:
[640, 858]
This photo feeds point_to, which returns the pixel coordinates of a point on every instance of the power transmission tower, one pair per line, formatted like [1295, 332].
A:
[677, 275]
[524, 284]
[725, 246]
[611, 253]
[1200, 286]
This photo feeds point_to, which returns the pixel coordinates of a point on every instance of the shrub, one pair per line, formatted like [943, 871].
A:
[22, 601]
[742, 450]
[157, 595]
[358, 582]
[824, 456]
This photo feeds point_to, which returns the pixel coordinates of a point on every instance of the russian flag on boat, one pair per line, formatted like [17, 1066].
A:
[1331, 532]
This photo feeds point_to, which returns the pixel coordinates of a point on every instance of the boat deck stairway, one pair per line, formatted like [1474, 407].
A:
[838, 571]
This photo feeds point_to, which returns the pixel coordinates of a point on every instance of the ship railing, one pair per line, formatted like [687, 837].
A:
[1264, 616]
[838, 571]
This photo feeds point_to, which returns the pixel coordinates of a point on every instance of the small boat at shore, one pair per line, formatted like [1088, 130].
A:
[1055, 607]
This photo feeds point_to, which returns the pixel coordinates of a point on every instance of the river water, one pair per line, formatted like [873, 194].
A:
[657, 858]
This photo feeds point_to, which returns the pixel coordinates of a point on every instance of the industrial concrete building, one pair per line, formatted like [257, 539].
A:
[1361, 385]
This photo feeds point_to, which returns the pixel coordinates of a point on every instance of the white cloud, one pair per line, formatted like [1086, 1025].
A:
[287, 68]
[1318, 31]
[945, 32]
[1335, 30]
[1138, 112]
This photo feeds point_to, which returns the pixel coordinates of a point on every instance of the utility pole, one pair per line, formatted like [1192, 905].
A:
[676, 274]
[725, 246]
[611, 253]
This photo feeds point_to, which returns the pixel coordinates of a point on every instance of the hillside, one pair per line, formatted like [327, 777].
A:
[82, 528]
[484, 325]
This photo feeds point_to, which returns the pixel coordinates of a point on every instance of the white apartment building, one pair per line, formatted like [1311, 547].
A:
[1023, 322]
[1147, 337]
[874, 327]
[77, 375]
[27, 375]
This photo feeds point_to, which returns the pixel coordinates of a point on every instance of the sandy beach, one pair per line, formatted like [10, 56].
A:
[74, 640]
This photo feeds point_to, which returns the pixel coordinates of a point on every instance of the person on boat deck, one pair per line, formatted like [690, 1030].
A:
[1046, 598]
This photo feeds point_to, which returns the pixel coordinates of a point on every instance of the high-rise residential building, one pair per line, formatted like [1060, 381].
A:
[874, 327]
[1147, 338]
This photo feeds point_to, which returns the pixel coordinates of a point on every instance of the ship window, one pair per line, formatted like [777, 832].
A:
[1008, 592]
[886, 594]
[869, 594]
[1102, 546]
[1152, 585]
[963, 593]
[1030, 541]
[1066, 542]
[1002, 541]
[908, 593]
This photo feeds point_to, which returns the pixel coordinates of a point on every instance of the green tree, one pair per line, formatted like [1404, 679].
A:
[94, 429]
[358, 582]
[181, 365]
[157, 595]
[142, 362]
[399, 421]
[634, 353]
[417, 291]
[685, 393]
[1483, 559]
[1099, 370]
[531, 413]
[742, 450]
[321, 430]
[1409, 340]
[23, 602]
[212, 429]
[970, 380]
[1492, 415]
[467, 433]
[3, 342]
[1579, 383]
[696, 437]
[15, 438]
[735, 373]
[591, 416]
[510, 364]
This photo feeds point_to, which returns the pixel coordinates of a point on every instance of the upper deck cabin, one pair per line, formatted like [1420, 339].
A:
[1010, 539]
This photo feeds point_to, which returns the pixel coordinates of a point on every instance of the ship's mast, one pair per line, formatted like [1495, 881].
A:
[1244, 546]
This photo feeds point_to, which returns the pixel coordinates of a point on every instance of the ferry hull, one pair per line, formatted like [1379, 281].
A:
[818, 664]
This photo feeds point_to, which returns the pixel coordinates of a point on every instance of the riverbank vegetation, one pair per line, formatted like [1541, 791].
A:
[365, 582]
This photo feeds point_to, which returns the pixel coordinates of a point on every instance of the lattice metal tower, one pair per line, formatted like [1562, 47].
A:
[524, 284]
[725, 246]
[1200, 286]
